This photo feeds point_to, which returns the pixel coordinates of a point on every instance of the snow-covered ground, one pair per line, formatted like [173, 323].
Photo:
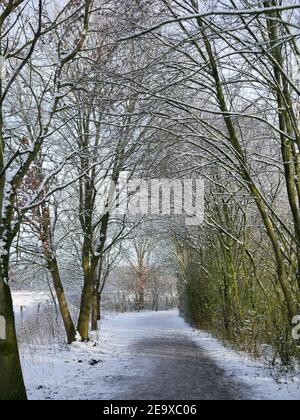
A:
[138, 354]
[267, 383]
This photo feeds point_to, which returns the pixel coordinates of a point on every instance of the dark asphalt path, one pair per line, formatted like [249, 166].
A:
[166, 364]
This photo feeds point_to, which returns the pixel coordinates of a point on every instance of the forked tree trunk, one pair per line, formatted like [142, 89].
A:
[11, 379]
[62, 301]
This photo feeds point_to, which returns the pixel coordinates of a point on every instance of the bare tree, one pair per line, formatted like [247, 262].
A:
[24, 26]
[138, 255]
[219, 66]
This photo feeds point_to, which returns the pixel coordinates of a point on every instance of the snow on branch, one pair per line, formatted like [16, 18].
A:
[220, 12]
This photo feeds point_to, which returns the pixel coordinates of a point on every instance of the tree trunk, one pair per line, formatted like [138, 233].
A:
[141, 291]
[85, 308]
[99, 307]
[11, 379]
[95, 310]
[63, 304]
[156, 305]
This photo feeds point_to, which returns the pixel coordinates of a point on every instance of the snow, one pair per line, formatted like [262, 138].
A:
[10, 175]
[2, 248]
[267, 383]
[111, 367]
[215, 12]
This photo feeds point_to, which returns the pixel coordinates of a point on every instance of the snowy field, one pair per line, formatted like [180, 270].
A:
[125, 365]
[28, 302]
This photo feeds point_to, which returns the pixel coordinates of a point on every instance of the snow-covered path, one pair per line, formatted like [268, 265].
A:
[151, 356]
[169, 365]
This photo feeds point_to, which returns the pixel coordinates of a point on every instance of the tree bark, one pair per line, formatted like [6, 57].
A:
[62, 301]
[46, 236]
[11, 378]
[96, 315]
[141, 290]
[99, 316]
[85, 308]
